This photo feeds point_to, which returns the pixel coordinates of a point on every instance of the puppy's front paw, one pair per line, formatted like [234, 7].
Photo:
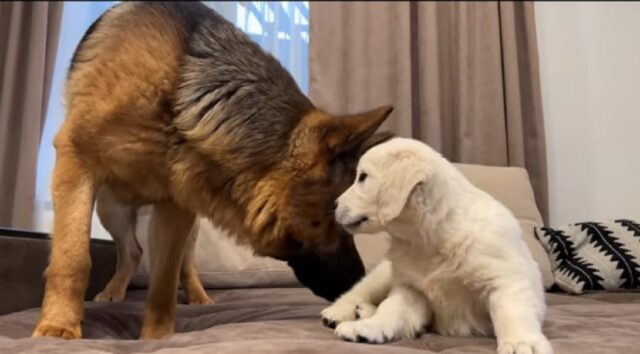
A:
[365, 310]
[539, 345]
[364, 331]
[338, 312]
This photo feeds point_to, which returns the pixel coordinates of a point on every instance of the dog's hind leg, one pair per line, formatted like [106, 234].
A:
[120, 221]
[168, 238]
[189, 279]
[68, 271]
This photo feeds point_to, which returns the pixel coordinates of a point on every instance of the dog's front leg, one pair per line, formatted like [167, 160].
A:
[68, 270]
[516, 312]
[168, 237]
[360, 301]
[404, 314]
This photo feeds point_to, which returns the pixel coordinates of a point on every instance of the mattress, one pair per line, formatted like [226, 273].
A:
[286, 320]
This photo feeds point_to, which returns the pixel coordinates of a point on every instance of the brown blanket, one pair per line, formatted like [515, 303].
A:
[287, 321]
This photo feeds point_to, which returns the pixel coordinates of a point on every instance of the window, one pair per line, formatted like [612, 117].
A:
[281, 28]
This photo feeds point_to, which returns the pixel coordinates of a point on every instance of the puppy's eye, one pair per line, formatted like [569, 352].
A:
[362, 176]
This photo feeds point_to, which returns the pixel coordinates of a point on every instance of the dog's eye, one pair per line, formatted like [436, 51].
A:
[362, 176]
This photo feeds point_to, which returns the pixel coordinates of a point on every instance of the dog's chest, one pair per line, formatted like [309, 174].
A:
[458, 309]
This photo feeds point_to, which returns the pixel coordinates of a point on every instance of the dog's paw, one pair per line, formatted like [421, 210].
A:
[200, 299]
[364, 331]
[109, 295]
[364, 311]
[338, 312]
[49, 330]
[539, 345]
[157, 330]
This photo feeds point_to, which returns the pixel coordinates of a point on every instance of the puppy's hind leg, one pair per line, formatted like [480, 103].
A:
[189, 279]
[404, 314]
[360, 301]
[516, 312]
[120, 221]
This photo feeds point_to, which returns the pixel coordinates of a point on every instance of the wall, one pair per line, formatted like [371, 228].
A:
[590, 75]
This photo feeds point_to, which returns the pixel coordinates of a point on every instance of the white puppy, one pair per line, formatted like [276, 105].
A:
[457, 263]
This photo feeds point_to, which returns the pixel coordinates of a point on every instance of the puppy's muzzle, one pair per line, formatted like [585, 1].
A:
[349, 222]
[355, 224]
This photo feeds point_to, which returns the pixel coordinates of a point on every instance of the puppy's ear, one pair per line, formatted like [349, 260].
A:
[397, 185]
[348, 133]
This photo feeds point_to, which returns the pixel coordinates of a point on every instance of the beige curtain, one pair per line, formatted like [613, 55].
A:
[463, 76]
[28, 42]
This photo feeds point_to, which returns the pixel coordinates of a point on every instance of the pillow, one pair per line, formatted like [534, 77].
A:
[222, 263]
[594, 256]
[511, 186]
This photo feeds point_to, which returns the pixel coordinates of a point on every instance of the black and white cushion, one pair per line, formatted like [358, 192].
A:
[594, 256]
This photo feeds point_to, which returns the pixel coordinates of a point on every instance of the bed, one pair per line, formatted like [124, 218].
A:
[260, 308]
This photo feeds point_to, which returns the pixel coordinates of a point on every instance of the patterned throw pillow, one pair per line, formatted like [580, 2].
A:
[594, 256]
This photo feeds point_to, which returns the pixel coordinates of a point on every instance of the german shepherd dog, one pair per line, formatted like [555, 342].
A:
[169, 105]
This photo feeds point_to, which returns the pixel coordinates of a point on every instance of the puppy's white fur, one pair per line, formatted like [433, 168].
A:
[457, 262]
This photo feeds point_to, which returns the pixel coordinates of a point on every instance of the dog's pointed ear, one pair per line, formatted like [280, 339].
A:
[398, 184]
[373, 140]
[348, 133]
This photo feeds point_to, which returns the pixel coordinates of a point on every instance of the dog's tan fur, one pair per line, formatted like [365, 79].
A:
[120, 142]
